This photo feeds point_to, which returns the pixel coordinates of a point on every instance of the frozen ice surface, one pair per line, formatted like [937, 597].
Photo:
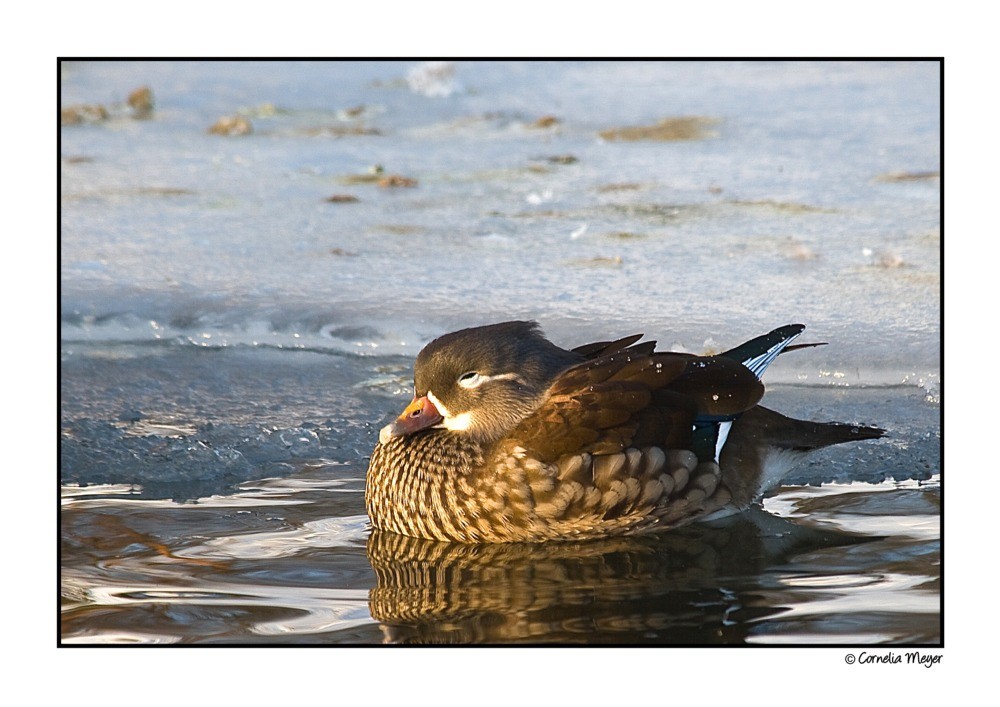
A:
[222, 319]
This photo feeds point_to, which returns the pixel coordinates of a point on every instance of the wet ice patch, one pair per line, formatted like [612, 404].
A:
[433, 79]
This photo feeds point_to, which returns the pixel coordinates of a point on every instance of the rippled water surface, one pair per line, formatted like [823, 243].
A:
[292, 560]
[240, 314]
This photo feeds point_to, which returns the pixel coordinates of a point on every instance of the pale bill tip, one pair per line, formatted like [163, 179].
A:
[385, 434]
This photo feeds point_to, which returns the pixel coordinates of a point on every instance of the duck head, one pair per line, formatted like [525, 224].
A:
[480, 382]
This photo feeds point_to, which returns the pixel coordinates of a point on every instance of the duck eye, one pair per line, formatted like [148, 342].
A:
[472, 379]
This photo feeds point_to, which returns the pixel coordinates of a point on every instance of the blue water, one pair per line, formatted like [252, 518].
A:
[225, 327]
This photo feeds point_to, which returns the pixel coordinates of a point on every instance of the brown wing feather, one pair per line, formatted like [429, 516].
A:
[630, 398]
[720, 385]
[599, 349]
[606, 444]
[605, 405]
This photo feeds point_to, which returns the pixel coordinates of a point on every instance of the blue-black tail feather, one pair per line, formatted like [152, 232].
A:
[710, 433]
[757, 354]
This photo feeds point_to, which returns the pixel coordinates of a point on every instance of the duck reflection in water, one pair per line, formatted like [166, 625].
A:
[695, 585]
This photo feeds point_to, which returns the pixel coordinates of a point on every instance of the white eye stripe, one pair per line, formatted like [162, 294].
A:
[470, 380]
[474, 380]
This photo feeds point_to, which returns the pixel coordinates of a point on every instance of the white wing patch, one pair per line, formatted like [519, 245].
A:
[721, 436]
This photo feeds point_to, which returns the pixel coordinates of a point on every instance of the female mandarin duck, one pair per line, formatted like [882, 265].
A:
[510, 438]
